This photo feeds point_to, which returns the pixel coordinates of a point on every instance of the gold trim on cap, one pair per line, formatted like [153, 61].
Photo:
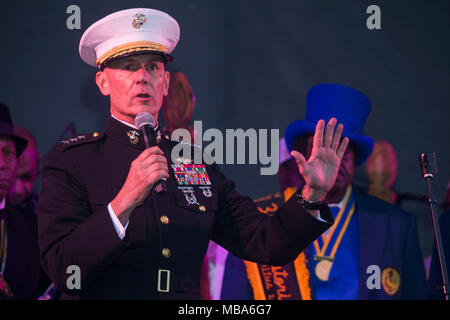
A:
[131, 47]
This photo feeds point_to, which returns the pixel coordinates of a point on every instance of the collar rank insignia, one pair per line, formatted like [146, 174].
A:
[191, 174]
[138, 20]
[74, 139]
[134, 136]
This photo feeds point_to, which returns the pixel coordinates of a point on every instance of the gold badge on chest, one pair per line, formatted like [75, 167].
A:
[134, 136]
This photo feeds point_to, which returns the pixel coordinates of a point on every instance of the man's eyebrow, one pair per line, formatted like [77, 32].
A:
[26, 174]
[8, 144]
[7, 148]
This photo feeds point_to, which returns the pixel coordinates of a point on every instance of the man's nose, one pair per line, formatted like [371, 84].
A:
[3, 161]
[142, 75]
[7, 162]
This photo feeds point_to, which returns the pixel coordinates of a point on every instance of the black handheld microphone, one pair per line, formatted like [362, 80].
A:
[145, 123]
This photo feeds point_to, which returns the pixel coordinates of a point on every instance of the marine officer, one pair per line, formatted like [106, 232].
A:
[99, 216]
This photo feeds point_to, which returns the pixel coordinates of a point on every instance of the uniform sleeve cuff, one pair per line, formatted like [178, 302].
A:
[318, 217]
[120, 229]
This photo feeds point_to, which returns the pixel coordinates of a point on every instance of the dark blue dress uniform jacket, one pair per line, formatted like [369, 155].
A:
[80, 178]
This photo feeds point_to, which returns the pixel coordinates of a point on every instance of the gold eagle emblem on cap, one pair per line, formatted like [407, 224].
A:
[138, 20]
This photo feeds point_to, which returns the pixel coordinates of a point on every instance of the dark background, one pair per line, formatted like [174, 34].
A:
[251, 64]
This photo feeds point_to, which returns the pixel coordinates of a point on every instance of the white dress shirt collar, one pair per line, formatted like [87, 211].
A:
[132, 125]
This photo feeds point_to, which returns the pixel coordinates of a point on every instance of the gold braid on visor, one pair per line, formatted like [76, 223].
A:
[136, 46]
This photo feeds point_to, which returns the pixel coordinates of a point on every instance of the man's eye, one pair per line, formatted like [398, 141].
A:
[9, 153]
[129, 67]
[26, 178]
[153, 67]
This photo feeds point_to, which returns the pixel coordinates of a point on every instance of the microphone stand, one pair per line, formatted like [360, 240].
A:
[429, 169]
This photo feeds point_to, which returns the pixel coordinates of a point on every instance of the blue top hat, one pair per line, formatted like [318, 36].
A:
[349, 106]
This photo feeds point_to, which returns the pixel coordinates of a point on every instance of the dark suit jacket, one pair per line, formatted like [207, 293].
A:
[23, 271]
[388, 238]
[83, 174]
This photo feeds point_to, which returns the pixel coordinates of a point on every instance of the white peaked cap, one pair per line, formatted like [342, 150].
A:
[128, 32]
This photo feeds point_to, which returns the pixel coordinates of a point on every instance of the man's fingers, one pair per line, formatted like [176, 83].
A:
[318, 135]
[148, 152]
[158, 175]
[337, 136]
[342, 147]
[300, 159]
[156, 172]
[155, 166]
[329, 133]
[147, 162]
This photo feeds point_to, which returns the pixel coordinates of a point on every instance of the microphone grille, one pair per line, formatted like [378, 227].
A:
[143, 119]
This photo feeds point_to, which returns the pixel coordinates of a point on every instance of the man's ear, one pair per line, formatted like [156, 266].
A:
[166, 83]
[101, 79]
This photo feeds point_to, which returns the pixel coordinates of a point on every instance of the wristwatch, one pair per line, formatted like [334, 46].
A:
[309, 205]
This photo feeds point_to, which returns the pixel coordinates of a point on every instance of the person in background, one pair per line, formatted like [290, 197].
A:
[21, 275]
[368, 234]
[21, 193]
[381, 169]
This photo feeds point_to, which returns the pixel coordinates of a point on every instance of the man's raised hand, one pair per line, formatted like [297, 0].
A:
[321, 169]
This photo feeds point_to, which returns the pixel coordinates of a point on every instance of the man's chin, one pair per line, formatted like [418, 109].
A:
[141, 107]
[337, 192]
[3, 191]
[16, 198]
